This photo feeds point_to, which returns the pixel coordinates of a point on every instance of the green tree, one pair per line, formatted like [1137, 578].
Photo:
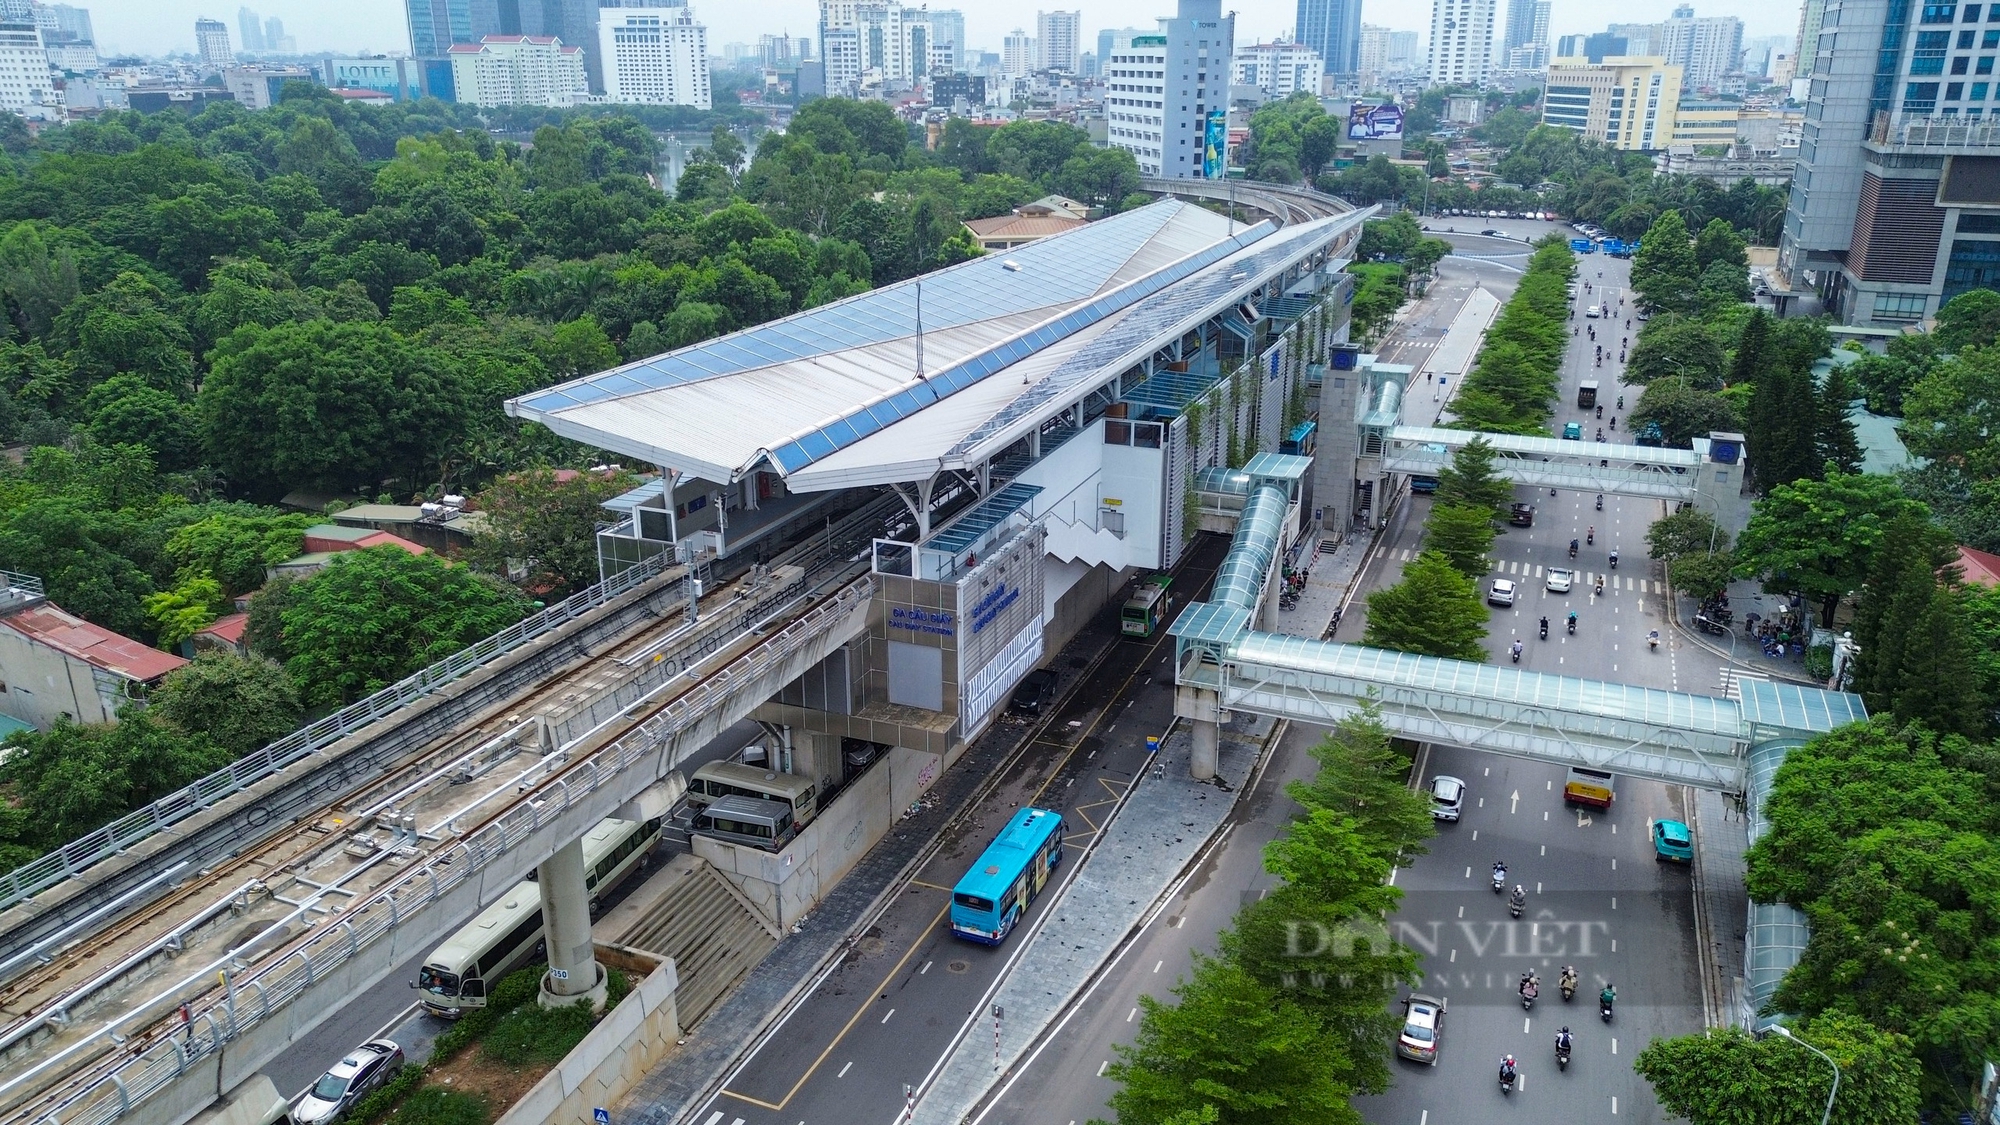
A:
[1434, 610]
[1971, 319]
[1817, 536]
[1232, 1045]
[1689, 531]
[183, 611]
[1676, 347]
[1360, 776]
[1885, 835]
[374, 616]
[72, 778]
[1784, 427]
[1469, 480]
[241, 703]
[1952, 414]
[1837, 444]
[1703, 574]
[1729, 1078]
[1665, 269]
[539, 520]
[1682, 412]
[1720, 245]
[1462, 535]
[235, 547]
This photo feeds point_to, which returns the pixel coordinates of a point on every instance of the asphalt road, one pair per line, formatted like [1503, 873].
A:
[896, 1006]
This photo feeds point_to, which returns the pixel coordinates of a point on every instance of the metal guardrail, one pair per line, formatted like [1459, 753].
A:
[250, 997]
[59, 866]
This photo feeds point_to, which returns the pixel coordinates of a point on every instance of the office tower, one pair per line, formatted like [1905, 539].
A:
[1705, 47]
[275, 39]
[251, 25]
[654, 56]
[25, 80]
[211, 40]
[948, 30]
[74, 22]
[518, 70]
[1056, 40]
[1018, 53]
[1529, 21]
[1628, 103]
[1890, 212]
[1806, 47]
[871, 39]
[1641, 39]
[1278, 69]
[1461, 51]
[1160, 89]
[1332, 28]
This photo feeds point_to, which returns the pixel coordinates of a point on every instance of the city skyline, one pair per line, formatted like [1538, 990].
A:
[161, 27]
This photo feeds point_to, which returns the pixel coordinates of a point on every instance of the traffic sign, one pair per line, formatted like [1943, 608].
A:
[601, 1115]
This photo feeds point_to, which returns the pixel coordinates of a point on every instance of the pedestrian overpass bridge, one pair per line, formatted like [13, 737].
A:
[1223, 664]
[1583, 466]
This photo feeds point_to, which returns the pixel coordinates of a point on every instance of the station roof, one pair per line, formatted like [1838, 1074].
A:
[831, 397]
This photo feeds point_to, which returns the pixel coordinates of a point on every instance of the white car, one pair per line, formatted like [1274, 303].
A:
[1447, 797]
[1594, 311]
[364, 1069]
[1560, 579]
[1502, 592]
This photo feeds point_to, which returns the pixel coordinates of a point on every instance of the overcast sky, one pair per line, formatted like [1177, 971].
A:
[162, 26]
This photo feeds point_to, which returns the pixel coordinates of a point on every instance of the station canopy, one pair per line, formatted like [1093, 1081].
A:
[833, 397]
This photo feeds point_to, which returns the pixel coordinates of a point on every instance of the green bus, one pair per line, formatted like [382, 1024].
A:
[1146, 610]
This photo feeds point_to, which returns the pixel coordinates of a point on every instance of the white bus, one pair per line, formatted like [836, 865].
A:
[457, 975]
[734, 779]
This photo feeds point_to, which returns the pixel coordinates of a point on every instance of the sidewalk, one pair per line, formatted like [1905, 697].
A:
[1737, 647]
[1722, 905]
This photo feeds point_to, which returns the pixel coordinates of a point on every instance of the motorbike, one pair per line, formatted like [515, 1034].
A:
[1545, 636]
[1600, 501]
[1499, 877]
[1600, 435]
[1614, 560]
[1590, 536]
[1517, 903]
[1572, 624]
[1517, 652]
[1709, 626]
[1528, 996]
[1604, 1001]
[1614, 417]
[1600, 411]
[1572, 548]
[1621, 402]
[1506, 1079]
[1562, 1058]
[1653, 640]
[1568, 986]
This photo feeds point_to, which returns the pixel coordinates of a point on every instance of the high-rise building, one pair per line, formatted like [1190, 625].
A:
[275, 39]
[211, 41]
[1806, 47]
[1057, 40]
[1626, 102]
[437, 24]
[1527, 26]
[251, 26]
[948, 30]
[1372, 57]
[518, 70]
[654, 56]
[1160, 89]
[1018, 53]
[1704, 47]
[889, 43]
[1891, 211]
[1278, 69]
[1403, 50]
[74, 22]
[1641, 39]
[1333, 29]
[27, 86]
[1461, 42]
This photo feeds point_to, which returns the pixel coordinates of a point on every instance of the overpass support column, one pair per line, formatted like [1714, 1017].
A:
[1202, 709]
[574, 973]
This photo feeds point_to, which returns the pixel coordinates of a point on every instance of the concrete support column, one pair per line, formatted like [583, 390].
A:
[1202, 709]
[574, 973]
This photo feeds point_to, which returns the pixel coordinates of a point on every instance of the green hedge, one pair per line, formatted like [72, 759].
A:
[1512, 386]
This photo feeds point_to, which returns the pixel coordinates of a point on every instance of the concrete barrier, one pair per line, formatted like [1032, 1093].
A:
[624, 1045]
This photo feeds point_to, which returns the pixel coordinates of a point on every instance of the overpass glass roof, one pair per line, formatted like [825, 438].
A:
[982, 518]
[1701, 713]
[1548, 447]
[1795, 708]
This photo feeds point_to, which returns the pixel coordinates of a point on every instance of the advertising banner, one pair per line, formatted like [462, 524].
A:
[1215, 145]
[1375, 123]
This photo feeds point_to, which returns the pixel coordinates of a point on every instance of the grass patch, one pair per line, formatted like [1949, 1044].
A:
[434, 1105]
[534, 1034]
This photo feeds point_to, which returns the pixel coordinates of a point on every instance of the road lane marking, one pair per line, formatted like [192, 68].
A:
[1454, 951]
[929, 886]
[1135, 1011]
[1614, 1044]
[885, 1019]
[1157, 964]
[1101, 1066]
[713, 1118]
[1527, 1022]
[927, 964]
[1514, 804]
[1614, 1105]
[845, 1069]
[1468, 872]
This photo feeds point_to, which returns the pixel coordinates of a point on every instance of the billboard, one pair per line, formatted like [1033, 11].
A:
[1215, 145]
[1375, 123]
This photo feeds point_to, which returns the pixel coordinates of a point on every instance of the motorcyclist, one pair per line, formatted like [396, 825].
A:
[1563, 1043]
[1600, 585]
[1568, 980]
[1614, 419]
[1572, 548]
[1519, 898]
[1572, 621]
[1614, 558]
[1545, 628]
[1590, 534]
[1499, 872]
[1608, 996]
[1517, 652]
[1507, 1071]
[1621, 402]
[1600, 501]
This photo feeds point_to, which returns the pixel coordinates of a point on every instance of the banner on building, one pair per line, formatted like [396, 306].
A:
[1215, 145]
[1375, 123]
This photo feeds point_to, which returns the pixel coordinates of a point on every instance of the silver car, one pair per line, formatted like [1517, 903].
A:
[364, 1069]
[1447, 797]
[1501, 593]
[1560, 579]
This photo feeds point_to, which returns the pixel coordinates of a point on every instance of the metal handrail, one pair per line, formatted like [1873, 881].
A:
[116, 1086]
[57, 867]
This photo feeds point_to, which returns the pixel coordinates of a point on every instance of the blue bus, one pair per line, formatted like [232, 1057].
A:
[992, 896]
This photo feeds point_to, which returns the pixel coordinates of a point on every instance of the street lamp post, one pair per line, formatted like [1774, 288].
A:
[1827, 1114]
